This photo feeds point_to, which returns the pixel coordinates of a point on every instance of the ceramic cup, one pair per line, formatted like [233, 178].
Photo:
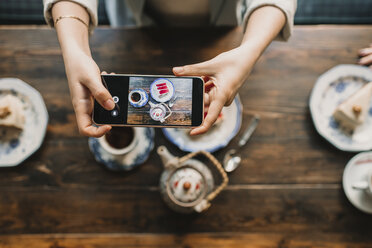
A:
[365, 185]
[138, 98]
[119, 140]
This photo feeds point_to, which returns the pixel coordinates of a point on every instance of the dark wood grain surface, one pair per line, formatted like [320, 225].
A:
[286, 193]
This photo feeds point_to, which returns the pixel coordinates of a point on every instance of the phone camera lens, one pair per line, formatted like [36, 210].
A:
[116, 99]
[114, 113]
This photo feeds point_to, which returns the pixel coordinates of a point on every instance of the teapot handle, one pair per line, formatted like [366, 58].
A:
[218, 165]
[169, 110]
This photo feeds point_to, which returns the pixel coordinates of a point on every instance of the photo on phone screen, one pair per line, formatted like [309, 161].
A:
[152, 101]
[169, 101]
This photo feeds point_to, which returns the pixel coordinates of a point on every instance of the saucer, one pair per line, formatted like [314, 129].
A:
[216, 138]
[356, 170]
[128, 161]
[332, 88]
[142, 102]
[19, 146]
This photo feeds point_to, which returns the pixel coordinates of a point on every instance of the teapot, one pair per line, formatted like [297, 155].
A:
[187, 184]
[158, 111]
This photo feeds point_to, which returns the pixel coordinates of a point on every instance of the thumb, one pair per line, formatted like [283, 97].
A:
[200, 69]
[101, 94]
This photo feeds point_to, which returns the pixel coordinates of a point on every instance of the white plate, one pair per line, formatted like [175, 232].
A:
[14, 151]
[216, 138]
[332, 88]
[356, 170]
[155, 93]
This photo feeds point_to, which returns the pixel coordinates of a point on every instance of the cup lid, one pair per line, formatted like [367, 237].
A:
[187, 185]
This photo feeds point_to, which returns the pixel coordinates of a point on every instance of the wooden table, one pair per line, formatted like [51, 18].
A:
[286, 193]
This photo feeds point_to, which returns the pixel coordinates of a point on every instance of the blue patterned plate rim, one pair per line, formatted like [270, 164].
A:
[19, 86]
[223, 143]
[319, 87]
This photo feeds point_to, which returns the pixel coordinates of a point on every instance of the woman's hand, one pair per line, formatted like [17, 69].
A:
[85, 84]
[82, 72]
[223, 76]
[225, 73]
[366, 56]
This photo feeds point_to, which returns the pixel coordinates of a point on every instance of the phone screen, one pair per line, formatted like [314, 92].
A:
[152, 101]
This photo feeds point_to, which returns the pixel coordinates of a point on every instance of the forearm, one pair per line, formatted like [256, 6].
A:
[72, 34]
[263, 26]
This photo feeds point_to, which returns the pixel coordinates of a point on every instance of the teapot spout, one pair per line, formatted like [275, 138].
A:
[166, 157]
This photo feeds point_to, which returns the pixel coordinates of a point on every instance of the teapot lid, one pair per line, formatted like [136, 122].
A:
[186, 185]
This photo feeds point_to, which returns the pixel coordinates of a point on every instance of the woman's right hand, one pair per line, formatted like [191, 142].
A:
[84, 81]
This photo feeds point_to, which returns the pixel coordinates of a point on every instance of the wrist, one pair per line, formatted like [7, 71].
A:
[246, 55]
[70, 42]
[252, 50]
[71, 49]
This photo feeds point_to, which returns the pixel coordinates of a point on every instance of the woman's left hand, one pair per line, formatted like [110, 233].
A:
[223, 76]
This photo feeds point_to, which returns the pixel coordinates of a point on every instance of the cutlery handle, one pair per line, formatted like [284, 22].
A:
[360, 185]
[248, 132]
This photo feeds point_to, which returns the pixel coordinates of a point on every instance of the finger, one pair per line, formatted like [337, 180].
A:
[367, 60]
[205, 78]
[93, 131]
[85, 126]
[83, 106]
[208, 86]
[103, 72]
[200, 69]
[365, 51]
[213, 112]
[101, 94]
[206, 99]
[112, 73]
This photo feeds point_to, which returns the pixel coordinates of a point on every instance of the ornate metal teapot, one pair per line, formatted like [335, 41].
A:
[187, 184]
[158, 112]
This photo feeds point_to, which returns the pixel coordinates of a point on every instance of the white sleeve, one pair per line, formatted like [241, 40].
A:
[246, 7]
[90, 5]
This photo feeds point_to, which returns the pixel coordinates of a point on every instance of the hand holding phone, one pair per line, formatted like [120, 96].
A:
[156, 101]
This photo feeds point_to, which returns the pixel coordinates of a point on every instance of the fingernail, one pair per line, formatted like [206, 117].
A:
[109, 104]
[178, 69]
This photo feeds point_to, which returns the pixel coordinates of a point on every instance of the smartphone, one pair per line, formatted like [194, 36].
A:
[153, 101]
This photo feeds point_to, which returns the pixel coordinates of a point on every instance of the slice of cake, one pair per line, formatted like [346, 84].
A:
[353, 111]
[11, 112]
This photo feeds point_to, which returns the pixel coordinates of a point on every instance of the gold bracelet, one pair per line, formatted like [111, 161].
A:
[71, 16]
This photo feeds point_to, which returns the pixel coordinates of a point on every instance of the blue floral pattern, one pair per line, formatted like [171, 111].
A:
[333, 123]
[340, 87]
